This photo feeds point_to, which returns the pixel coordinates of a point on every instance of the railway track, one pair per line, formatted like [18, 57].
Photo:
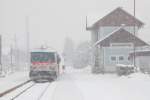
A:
[13, 89]
[30, 89]
[39, 98]
[19, 94]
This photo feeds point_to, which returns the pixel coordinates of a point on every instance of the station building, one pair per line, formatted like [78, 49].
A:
[114, 37]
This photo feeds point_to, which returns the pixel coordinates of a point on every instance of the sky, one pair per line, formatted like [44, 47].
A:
[51, 21]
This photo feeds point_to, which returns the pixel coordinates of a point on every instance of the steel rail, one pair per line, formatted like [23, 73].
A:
[39, 98]
[19, 94]
[13, 89]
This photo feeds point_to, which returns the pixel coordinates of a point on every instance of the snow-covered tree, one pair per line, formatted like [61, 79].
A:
[82, 55]
[68, 51]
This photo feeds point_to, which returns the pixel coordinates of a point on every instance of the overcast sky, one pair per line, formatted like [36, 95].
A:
[50, 21]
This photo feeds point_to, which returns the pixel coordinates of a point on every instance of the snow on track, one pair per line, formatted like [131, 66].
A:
[30, 91]
[82, 85]
[14, 93]
[49, 92]
[35, 93]
[63, 89]
[13, 80]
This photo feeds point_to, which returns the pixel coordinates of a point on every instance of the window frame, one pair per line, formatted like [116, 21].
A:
[121, 59]
[112, 59]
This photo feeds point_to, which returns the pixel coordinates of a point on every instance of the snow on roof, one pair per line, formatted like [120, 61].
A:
[43, 50]
[142, 50]
[139, 51]
[123, 65]
[95, 18]
[108, 35]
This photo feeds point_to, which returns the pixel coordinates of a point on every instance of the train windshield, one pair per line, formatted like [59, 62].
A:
[42, 56]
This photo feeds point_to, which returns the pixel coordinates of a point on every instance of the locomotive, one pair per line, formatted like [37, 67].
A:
[45, 65]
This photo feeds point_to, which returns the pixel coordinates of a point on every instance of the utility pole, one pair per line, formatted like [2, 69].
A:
[11, 58]
[16, 52]
[134, 46]
[1, 69]
[28, 42]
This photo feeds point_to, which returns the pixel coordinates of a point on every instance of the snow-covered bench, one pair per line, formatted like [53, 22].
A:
[125, 69]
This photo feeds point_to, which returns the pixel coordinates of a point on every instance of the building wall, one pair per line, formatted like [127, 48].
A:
[102, 56]
[143, 63]
[95, 52]
[105, 53]
[104, 31]
[93, 40]
[94, 36]
[117, 53]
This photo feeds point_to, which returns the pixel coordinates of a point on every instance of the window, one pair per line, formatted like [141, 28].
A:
[113, 58]
[129, 58]
[121, 58]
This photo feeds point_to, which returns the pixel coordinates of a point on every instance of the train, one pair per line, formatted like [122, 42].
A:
[45, 65]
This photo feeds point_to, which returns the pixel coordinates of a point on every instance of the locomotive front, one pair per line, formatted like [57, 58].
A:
[44, 66]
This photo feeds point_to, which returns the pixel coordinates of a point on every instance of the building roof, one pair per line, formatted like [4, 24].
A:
[120, 35]
[43, 49]
[116, 18]
[140, 53]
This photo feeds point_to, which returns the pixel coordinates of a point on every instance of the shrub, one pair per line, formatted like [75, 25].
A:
[125, 69]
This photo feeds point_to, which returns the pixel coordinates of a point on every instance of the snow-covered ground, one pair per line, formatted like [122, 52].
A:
[112, 87]
[82, 85]
[13, 79]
